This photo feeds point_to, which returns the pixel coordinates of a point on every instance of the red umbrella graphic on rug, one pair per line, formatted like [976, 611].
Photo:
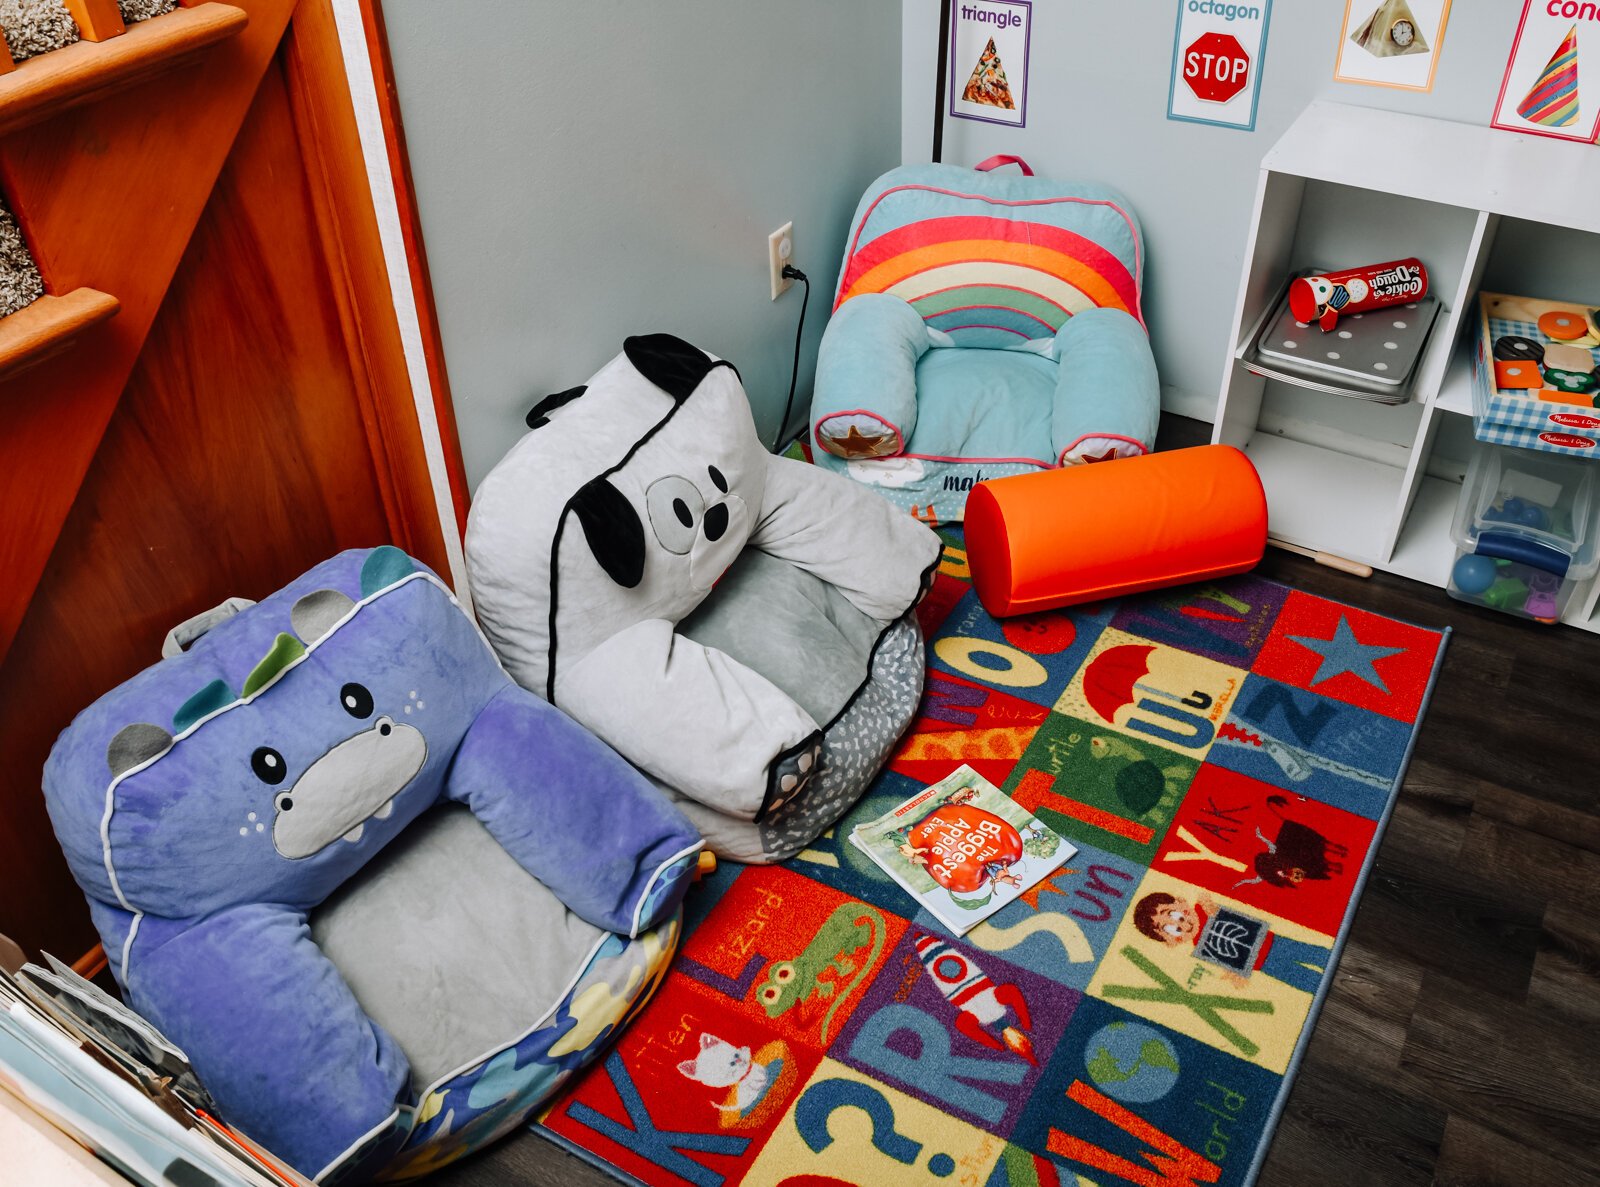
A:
[1553, 99]
[1111, 680]
[1120, 677]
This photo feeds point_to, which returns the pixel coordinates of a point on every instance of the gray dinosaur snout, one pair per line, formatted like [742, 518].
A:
[355, 781]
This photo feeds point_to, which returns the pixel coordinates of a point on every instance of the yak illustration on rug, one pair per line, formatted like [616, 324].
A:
[1224, 758]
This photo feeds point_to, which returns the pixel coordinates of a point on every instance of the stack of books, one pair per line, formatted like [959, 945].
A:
[111, 1081]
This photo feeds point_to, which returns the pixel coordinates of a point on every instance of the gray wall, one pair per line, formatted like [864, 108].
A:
[1097, 103]
[591, 169]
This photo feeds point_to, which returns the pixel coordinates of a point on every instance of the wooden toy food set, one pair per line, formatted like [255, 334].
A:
[1536, 380]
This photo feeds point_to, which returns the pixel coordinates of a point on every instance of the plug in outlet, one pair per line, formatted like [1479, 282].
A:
[780, 251]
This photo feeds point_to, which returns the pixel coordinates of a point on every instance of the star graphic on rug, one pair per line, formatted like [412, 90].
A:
[1345, 653]
[855, 443]
[1047, 886]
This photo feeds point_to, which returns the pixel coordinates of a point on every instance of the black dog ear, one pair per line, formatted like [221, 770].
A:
[612, 527]
[668, 362]
[539, 414]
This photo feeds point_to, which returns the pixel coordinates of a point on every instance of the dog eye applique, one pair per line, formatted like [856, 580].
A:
[675, 505]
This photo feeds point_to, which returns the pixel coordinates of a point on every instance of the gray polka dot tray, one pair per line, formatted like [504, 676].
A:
[1371, 356]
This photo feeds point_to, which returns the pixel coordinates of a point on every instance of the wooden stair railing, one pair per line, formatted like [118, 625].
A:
[87, 70]
[107, 194]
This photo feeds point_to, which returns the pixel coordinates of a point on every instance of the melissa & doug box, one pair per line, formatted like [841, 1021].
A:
[1536, 381]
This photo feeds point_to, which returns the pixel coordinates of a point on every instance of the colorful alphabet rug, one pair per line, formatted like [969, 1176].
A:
[1223, 756]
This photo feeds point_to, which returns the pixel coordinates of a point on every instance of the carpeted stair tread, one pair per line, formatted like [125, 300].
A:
[20, 283]
[34, 27]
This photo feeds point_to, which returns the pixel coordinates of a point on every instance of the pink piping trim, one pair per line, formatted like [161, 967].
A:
[1138, 258]
[956, 329]
[1007, 308]
[1010, 288]
[978, 461]
[899, 437]
[1140, 445]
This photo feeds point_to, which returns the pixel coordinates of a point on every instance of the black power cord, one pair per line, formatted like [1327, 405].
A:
[790, 272]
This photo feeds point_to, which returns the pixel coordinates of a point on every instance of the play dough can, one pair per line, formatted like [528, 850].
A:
[1324, 299]
[1084, 533]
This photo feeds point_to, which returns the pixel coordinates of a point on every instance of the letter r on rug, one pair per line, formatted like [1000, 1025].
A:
[934, 1068]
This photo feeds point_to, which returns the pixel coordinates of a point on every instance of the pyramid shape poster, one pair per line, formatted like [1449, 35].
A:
[1391, 31]
[1392, 43]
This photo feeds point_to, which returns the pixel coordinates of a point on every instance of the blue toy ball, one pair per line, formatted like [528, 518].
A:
[1532, 515]
[1474, 574]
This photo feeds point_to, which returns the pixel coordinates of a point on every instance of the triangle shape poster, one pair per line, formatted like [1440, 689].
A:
[1545, 91]
[988, 67]
[988, 82]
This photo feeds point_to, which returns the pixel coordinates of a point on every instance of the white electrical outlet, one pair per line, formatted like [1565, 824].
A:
[780, 251]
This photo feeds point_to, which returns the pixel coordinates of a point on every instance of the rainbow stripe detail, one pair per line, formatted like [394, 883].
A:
[983, 277]
[1553, 100]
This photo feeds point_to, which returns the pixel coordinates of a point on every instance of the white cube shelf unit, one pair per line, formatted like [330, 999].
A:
[1346, 186]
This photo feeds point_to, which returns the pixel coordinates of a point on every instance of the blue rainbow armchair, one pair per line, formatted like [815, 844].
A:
[384, 899]
[984, 325]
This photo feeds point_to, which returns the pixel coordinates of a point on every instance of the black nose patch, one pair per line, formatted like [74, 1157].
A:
[716, 521]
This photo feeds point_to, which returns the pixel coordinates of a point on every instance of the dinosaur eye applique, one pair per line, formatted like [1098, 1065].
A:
[268, 765]
[717, 480]
[675, 505]
[356, 700]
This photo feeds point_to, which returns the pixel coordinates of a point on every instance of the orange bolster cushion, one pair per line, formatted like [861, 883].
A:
[1085, 533]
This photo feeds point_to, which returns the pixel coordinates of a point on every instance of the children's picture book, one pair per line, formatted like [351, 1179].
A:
[962, 848]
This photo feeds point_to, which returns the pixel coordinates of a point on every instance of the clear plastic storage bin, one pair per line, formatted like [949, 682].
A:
[1524, 532]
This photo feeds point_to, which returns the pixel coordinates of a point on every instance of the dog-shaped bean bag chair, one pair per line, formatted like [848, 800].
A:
[984, 325]
[380, 896]
[735, 624]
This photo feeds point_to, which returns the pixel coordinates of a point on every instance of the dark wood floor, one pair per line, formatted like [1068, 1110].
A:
[1460, 1044]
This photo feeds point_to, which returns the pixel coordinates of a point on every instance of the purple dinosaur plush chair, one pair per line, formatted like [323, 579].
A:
[382, 898]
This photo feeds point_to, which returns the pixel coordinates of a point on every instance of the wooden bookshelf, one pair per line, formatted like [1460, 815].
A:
[33, 334]
[85, 70]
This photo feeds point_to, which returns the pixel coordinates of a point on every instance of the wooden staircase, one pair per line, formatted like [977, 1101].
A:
[151, 112]
[213, 395]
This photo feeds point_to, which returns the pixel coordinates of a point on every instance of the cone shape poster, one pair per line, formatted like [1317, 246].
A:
[1544, 90]
[1553, 98]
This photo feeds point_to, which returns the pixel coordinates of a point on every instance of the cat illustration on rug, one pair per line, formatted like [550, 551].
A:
[719, 1064]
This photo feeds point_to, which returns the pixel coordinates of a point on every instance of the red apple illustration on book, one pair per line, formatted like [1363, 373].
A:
[968, 848]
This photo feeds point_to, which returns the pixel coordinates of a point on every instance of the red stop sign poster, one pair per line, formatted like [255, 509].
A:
[1216, 67]
[1216, 62]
